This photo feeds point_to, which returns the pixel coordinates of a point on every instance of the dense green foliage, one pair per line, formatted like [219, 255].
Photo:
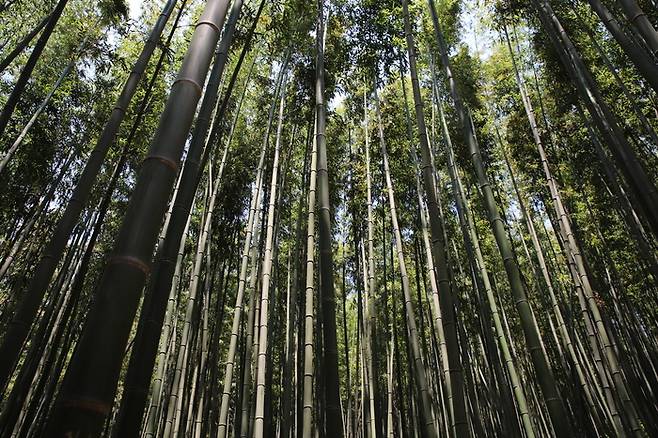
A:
[553, 151]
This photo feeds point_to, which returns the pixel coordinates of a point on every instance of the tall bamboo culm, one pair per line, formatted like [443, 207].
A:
[91, 378]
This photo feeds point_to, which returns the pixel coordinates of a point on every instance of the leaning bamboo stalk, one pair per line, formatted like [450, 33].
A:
[23, 43]
[19, 140]
[639, 20]
[93, 372]
[26, 383]
[420, 377]
[26, 73]
[309, 316]
[472, 241]
[202, 143]
[643, 188]
[165, 340]
[370, 281]
[327, 294]
[78, 52]
[259, 423]
[533, 338]
[43, 272]
[250, 228]
[39, 211]
[575, 253]
[635, 53]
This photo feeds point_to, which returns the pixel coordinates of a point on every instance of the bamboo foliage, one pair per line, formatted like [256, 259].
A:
[533, 339]
[473, 257]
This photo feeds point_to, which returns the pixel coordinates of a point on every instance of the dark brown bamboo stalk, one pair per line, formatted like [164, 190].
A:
[12, 343]
[92, 375]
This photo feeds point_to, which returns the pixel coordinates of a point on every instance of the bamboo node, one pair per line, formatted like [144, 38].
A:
[132, 261]
[87, 404]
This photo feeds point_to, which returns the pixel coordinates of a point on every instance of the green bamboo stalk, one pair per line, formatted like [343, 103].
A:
[459, 423]
[420, 376]
[266, 279]
[309, 314]
[557, 411]
[329, 358]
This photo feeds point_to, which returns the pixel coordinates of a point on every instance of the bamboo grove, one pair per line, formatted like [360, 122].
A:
[341, 218]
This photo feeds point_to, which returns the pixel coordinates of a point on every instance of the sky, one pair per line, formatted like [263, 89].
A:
[135, 7]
